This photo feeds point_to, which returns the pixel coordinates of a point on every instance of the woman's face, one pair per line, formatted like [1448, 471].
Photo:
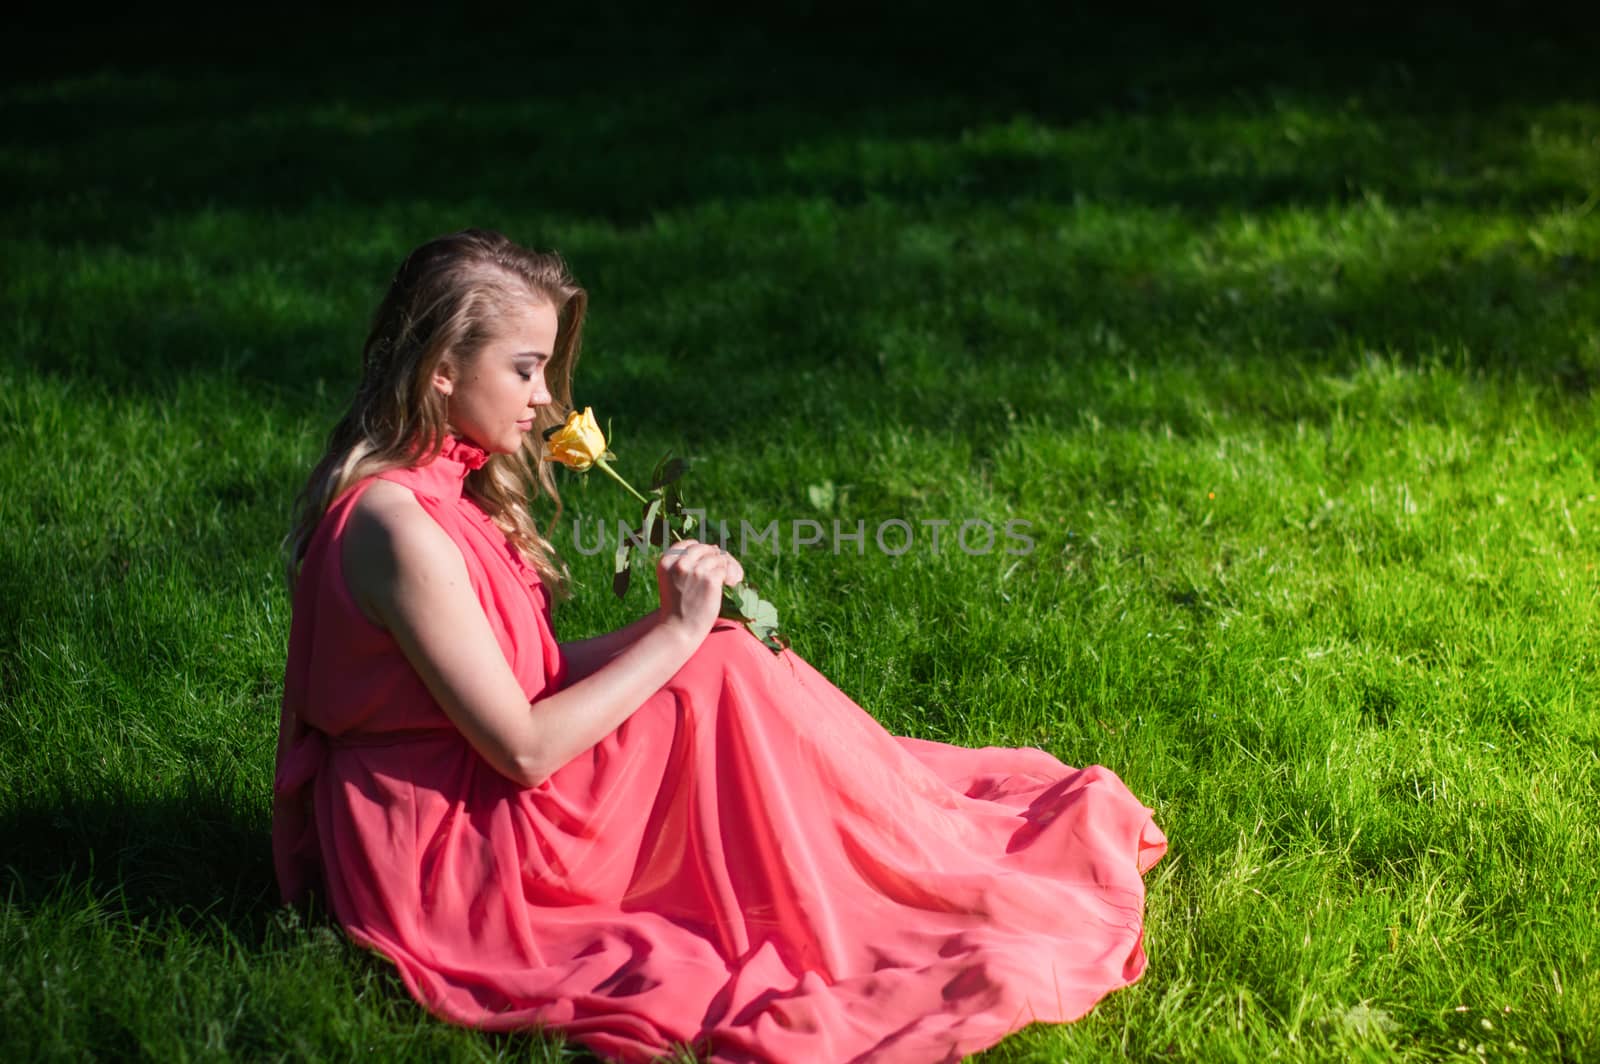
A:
[491, 398]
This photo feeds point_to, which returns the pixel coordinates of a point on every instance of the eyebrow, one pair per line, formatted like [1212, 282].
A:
[521, 355]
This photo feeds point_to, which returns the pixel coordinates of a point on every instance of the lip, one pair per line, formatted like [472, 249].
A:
[525, 425]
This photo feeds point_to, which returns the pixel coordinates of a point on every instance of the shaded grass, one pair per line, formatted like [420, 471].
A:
[1286, 356]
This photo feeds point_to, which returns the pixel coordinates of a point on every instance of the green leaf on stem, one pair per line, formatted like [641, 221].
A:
[656, 530]
[749, 602]
[743, 604]
[622, 568]
[668, 470]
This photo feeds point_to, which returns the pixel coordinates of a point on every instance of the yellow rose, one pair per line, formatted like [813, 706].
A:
[578, 444]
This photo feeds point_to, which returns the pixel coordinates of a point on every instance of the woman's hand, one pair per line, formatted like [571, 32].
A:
[691, 576]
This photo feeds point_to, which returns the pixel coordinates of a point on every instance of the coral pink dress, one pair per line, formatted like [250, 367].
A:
[750, 865]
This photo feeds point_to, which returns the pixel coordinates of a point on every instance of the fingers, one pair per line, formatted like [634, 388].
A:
[692, 553]
[683, 566]
[688, 563]
[689, 554]
[723, 566]
[681, 548]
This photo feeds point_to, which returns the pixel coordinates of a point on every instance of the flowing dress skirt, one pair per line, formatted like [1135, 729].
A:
[750, 866]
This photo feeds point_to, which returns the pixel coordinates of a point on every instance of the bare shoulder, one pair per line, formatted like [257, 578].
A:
[392, 547]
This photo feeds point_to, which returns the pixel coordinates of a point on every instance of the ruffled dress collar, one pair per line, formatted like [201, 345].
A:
[464, 453]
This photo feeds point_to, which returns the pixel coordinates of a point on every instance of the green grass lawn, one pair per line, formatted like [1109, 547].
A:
[1284, 339]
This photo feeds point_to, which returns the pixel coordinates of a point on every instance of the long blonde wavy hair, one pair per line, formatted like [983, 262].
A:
[443, 304]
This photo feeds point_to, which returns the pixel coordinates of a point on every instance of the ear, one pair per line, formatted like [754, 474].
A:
[444, 378]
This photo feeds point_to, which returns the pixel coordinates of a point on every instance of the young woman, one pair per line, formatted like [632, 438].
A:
[664, 836]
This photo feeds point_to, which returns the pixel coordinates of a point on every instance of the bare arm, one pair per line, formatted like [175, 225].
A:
[584, 656]
[409, 576]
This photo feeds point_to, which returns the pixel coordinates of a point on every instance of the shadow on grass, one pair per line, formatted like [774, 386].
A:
[138, 866]
[186, 207]
[191, 855]
[620, 115]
